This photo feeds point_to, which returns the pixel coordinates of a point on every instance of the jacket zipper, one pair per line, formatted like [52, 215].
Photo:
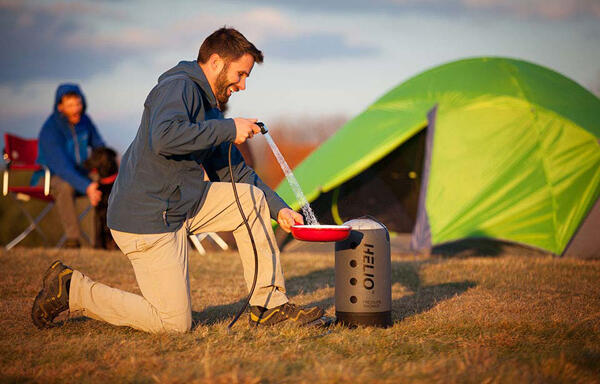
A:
[76, 144]
[164, 213]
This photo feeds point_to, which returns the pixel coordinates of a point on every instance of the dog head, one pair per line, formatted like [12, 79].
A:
[103, 160]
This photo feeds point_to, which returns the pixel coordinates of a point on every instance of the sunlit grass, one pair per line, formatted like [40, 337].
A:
[511, 318]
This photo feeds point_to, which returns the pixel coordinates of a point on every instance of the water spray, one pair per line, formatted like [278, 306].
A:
[309, 215]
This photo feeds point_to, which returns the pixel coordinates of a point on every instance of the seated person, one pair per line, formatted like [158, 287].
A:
[63, 148]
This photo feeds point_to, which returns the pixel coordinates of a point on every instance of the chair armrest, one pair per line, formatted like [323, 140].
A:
[5, 172]
[5, 182]
[46, 180]
[24, 167]
[5, 176]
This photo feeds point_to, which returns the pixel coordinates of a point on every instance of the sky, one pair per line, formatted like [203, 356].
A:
[322, 57]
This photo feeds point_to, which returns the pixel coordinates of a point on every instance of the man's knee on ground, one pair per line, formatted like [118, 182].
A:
[178, 324]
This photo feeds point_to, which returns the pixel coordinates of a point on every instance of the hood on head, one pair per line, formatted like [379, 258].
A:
[68, 88]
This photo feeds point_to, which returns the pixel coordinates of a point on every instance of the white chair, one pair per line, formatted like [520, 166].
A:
[196, 239]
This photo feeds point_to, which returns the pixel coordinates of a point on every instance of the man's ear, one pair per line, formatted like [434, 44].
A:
[216, 62]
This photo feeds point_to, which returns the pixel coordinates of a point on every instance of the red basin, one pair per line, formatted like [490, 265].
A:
[321, 232]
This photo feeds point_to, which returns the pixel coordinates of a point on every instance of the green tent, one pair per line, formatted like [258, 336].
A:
[484, 147]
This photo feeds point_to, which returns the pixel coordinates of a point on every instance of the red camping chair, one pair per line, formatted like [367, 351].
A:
[20, 155]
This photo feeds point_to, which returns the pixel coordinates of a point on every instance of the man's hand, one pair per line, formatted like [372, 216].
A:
[93, 193]
[286, 218]
[245, 129]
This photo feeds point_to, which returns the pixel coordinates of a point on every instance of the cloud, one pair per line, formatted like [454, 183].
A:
[74, 41]
[35, 98]
[270, 29]
[281, 37]
[46, 45]
[540, 9]
[543, 9]
[257, 24]
[316, 46]
[37, 42]
[71, 40]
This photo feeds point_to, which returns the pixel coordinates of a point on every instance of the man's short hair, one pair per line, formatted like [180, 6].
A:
[229, 44]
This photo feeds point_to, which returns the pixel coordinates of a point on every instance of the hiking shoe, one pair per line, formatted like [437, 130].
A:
[294, 313]
[54, 296]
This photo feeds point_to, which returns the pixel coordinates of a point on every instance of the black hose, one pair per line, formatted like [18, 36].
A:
[245, 219]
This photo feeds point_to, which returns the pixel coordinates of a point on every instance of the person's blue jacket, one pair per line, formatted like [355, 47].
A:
[161, 178]
[63, 147]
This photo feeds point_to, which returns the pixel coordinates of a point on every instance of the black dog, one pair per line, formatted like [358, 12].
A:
[103, 168]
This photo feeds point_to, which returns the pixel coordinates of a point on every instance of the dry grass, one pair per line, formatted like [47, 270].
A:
[471, 319]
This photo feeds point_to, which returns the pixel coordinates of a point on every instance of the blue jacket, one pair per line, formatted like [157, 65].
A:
[63, 148]
[161, 178]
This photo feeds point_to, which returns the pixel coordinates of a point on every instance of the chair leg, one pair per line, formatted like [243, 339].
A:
[31, 219]
[81, 216]
[219, 240]
[197, 244]
[63, 238]
[196, 240]
[33, 224]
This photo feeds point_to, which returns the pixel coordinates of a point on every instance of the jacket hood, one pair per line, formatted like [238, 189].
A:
[192, 70]
[68, 88]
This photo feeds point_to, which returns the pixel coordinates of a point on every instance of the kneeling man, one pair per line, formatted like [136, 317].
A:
[160, 197]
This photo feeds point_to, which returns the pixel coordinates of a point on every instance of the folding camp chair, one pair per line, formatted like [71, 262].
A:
[196, 239]
[20, 155]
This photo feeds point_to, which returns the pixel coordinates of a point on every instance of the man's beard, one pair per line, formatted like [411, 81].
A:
[221, 86]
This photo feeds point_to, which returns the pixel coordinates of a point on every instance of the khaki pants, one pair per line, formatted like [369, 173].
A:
[160, 263]
[64, 197]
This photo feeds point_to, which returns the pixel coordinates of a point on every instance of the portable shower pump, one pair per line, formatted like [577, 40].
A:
[363, 275]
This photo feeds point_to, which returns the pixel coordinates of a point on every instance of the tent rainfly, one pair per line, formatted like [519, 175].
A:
[478, 148]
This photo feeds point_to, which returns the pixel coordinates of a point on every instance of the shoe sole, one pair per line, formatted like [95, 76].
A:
[41, 322]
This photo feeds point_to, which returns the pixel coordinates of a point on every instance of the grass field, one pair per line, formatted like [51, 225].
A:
[504, 318]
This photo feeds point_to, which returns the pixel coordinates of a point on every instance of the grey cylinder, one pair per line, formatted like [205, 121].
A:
[363, 275]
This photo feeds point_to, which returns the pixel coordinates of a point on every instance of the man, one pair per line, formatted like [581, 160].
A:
[63, 147]
[160, 197]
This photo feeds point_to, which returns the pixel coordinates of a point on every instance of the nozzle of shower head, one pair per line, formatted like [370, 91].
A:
[263, 127]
